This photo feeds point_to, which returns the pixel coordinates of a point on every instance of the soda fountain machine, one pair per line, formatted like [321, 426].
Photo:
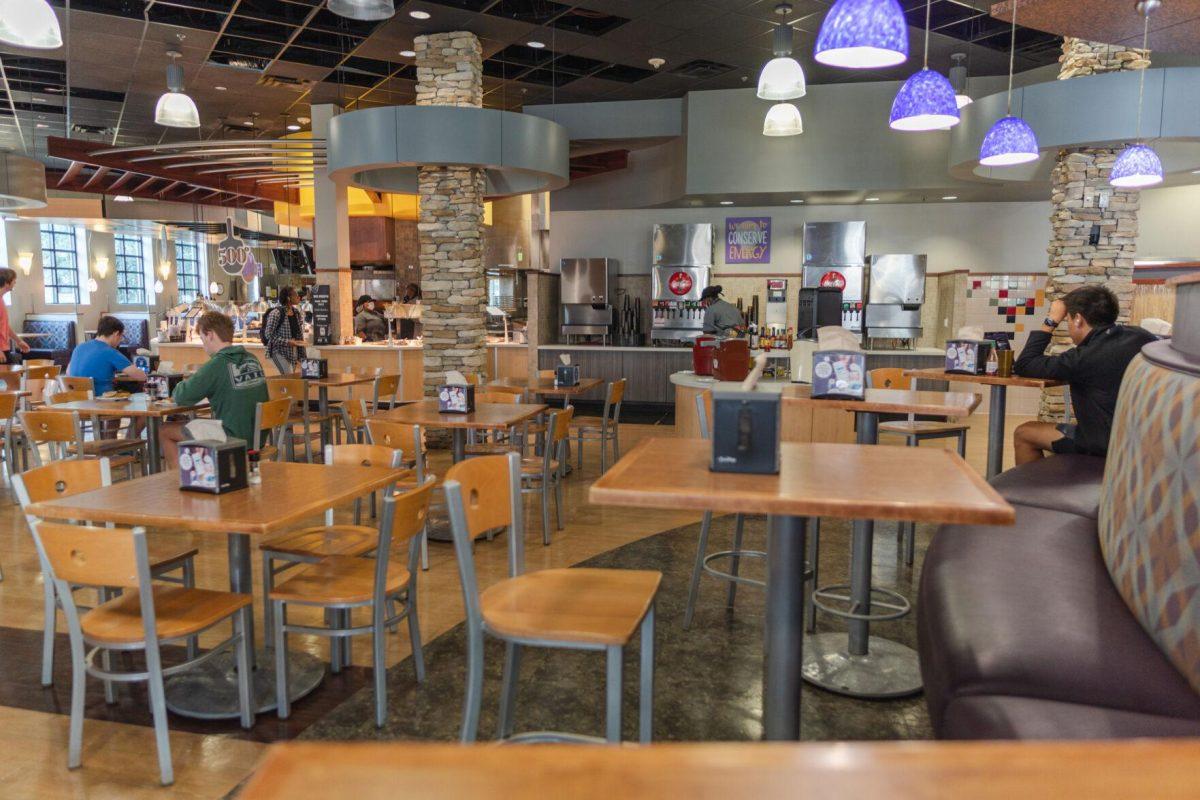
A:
[682, 266]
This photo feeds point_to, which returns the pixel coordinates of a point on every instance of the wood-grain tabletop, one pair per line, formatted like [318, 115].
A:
[891, 401]
[486, 416]
[986, 380]
[547, 386]
[847, 481]
[140, 406]
[288, 492]
[1102, 770]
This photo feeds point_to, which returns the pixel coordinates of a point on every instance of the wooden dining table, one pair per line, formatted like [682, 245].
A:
[335, 380]
[859, 664]
[289, 493]
[547, 387]
[845, 481]
[137, 406]
[486, 416]
[997, 404]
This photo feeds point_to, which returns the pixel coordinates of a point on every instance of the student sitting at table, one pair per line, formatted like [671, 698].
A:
[1093, 369]
[232, 381]
[100, 360]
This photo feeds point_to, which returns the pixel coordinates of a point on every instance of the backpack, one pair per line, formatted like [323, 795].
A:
[262, 331]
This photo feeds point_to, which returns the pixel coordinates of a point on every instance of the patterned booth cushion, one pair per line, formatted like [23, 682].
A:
[61, 333]
[1150, 508]
[137, 333]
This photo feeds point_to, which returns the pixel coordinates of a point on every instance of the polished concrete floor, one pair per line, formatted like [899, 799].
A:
[213, 757]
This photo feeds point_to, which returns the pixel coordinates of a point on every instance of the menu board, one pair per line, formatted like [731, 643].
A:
[322, 319]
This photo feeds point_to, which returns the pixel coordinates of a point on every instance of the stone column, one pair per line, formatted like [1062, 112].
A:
[450, 225]
[1093, 225]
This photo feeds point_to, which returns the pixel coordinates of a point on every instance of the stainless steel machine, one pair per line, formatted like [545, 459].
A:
[682, 267]
[587, 289]
[896, 290]
[834, 256]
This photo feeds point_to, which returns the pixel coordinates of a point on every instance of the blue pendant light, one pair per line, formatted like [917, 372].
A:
[1010, 140]
[1138, 166]
[926, 100]
[863, 34]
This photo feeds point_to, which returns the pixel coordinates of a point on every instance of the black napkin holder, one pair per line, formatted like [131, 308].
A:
[206, 465]
[746, 429]
[566, 375]
[314, 369]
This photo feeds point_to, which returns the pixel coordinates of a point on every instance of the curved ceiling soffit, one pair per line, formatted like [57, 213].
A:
[22, 182]
[380, 149]
[1095, 111]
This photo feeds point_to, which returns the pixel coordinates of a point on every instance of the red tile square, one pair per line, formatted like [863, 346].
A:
[1004, 292]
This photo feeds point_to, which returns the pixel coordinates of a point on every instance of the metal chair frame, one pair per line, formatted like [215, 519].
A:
[609, 430]
[550, 478]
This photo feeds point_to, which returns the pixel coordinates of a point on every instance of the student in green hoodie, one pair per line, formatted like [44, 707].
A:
[232, 381]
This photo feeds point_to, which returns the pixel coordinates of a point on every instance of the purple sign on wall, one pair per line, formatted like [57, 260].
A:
[747, 240]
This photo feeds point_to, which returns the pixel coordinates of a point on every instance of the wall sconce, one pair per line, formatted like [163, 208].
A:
[25, 262]
[102, 267]
[164, 269]
[158, 287]
[93, 287]
[215, 289]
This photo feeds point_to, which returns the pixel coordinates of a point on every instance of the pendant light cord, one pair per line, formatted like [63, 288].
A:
[928, 6]
[1012, 57]
[1142, 77]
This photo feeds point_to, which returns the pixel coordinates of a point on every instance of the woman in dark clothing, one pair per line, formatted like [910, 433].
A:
[369, 323]
[408, 327]
[283, 332]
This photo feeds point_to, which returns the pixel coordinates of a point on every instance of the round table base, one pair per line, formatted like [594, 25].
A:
[210, 690]
[889, 669]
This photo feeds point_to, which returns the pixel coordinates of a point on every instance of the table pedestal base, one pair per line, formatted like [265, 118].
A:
[210, 691]
[888, 669]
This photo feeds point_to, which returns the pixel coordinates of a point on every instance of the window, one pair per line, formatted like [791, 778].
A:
[131, 270]
[60, 263]
[4, 258]
[189, 271]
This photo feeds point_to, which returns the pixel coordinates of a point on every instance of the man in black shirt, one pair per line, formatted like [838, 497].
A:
[1093, 368]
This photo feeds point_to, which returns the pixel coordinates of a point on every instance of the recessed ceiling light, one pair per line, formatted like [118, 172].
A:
[123, 198]
[419, 14]
[41, 125]
[536, 45]
[54, 90]
[795, 201]
[408, 53]
[38, 99]
[872, 199]
[219, 88]
[293, 127]
[726, 202]
[950, 197]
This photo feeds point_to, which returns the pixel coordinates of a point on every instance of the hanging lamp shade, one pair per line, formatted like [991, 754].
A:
[29, 23]
[1137, 167]
[365, 10]
[863, 34]
[924, 103]
[1010, 141]
[176, 110]
[781, 79]
[783, 120]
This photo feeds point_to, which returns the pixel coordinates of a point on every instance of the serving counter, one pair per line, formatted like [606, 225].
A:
[797, 424]
[646, 369]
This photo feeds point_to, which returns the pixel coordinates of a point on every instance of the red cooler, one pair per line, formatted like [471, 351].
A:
[702, 354]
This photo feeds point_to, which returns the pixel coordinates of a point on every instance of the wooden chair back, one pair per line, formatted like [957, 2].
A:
[273, 413]
[356, 411]
[494, 388]
[395, 435]
[87, 555]
[497, 397]
[387, 386]
[283, 387]
[485, 484]
[51, 426]
[616, 392]
[560, 424]
[411, 512]
[70, 396]
[8, 405]
[73, 383]
[64, 478]
[42, 373]
[39, 362]
[363, 455]
[890, 378]
[546, 373]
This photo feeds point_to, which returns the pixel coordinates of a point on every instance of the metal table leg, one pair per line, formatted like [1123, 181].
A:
[459, 444]
[152, 449]
[862, 665]
[323, 410]
[996, 412]
[783, 641]
[210, 690]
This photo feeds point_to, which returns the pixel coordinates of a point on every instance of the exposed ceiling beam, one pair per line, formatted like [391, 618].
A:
[146, 184]
[121, 181]
[72, 172]
[97, 175]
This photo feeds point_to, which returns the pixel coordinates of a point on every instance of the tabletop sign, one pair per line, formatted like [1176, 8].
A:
[235, 257]
[322, 320]
[839, 375]
[747, 240]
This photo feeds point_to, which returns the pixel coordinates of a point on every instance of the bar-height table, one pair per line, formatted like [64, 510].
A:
[288, 493]
[997, 408]
[815, 480]
[862, 665]
[137, 406]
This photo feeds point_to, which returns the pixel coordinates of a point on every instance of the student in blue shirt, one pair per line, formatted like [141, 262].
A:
[100, 359]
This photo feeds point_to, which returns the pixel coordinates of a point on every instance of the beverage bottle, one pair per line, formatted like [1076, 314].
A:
[993, 363]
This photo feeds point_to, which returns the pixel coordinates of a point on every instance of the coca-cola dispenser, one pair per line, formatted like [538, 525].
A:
[683, 257]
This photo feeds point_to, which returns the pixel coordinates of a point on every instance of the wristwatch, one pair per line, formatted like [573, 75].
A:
[1051, 322]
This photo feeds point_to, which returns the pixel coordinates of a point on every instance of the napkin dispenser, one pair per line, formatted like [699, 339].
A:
[314, 368]
[159, 386]
[456, 398]
[206, 465]
[566, 375]
[967, 356]
[839, 375]
[746, 429]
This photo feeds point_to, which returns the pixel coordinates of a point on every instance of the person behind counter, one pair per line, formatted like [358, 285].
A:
[721, 318]
[232, 381]
[412, 294]
[283, 332]
[369, 323]
[1093, 368]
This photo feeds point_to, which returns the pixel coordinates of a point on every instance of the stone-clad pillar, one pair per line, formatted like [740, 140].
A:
[450, 73]
[1093, 225]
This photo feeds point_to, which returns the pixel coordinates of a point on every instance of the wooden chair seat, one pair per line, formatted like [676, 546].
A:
[164, 560]
[918, 427]
[586, 606]
[586, 422]
[338, 580]
[326, 540]
[533, 466]
[104, 447]
[490, 449]
[267, 452]
[179, 612]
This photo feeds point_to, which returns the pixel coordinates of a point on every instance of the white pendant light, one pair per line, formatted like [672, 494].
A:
[364, 10]
[175, 109]
[29, 23]
[783, 120]
[782, 78]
